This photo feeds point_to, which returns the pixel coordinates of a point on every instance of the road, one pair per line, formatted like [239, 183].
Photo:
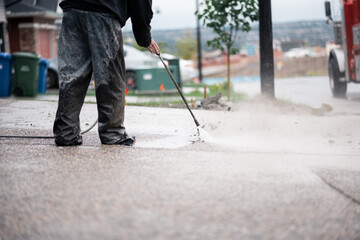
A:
[270, 170]
[312, 91]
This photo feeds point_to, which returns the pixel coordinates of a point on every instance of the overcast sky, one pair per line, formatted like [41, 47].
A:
[180, 13]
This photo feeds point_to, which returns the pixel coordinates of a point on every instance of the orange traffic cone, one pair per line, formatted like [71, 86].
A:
[162, 88]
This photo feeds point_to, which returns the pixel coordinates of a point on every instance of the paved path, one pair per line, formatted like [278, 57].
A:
[269, 172]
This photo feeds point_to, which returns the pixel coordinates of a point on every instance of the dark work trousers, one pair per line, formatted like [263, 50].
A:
[90, 43]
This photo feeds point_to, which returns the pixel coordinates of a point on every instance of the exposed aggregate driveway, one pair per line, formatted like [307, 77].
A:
[167, 187]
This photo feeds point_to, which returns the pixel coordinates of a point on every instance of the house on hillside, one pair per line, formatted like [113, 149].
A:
[31, 26]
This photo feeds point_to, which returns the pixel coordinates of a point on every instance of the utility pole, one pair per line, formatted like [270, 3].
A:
[266, 49]
[198, 35]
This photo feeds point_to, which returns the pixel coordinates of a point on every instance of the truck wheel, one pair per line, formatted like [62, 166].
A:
[51, 79]
[131, 80]
[338, 88]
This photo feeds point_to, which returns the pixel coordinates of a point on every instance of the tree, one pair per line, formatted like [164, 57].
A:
[226, 18]
[186, 46]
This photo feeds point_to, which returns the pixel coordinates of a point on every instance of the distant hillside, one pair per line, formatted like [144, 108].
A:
[314, 33]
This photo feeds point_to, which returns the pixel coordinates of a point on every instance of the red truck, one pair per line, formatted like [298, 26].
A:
[344, 60]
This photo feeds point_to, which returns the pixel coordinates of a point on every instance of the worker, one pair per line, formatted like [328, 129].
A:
[91, 43]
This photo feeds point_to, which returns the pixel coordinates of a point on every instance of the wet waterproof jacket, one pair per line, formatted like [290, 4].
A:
[138, 10]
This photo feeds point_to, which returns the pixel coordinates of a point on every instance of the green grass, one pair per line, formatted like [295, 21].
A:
[195, 85]
[176, 103]
[196, 94]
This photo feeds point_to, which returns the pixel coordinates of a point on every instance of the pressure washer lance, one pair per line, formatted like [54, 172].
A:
[178, 88]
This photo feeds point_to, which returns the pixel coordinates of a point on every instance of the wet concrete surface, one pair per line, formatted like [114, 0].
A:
[269, 172]
[107, 192]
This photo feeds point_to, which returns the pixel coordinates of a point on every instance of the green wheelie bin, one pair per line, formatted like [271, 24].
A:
[26, 74]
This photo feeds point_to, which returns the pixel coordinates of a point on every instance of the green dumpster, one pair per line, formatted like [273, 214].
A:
[26, 74]
[175, 63]
[152, 80]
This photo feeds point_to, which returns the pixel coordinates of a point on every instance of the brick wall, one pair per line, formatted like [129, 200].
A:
[54, 41]
[29, 39]
[38, 38]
